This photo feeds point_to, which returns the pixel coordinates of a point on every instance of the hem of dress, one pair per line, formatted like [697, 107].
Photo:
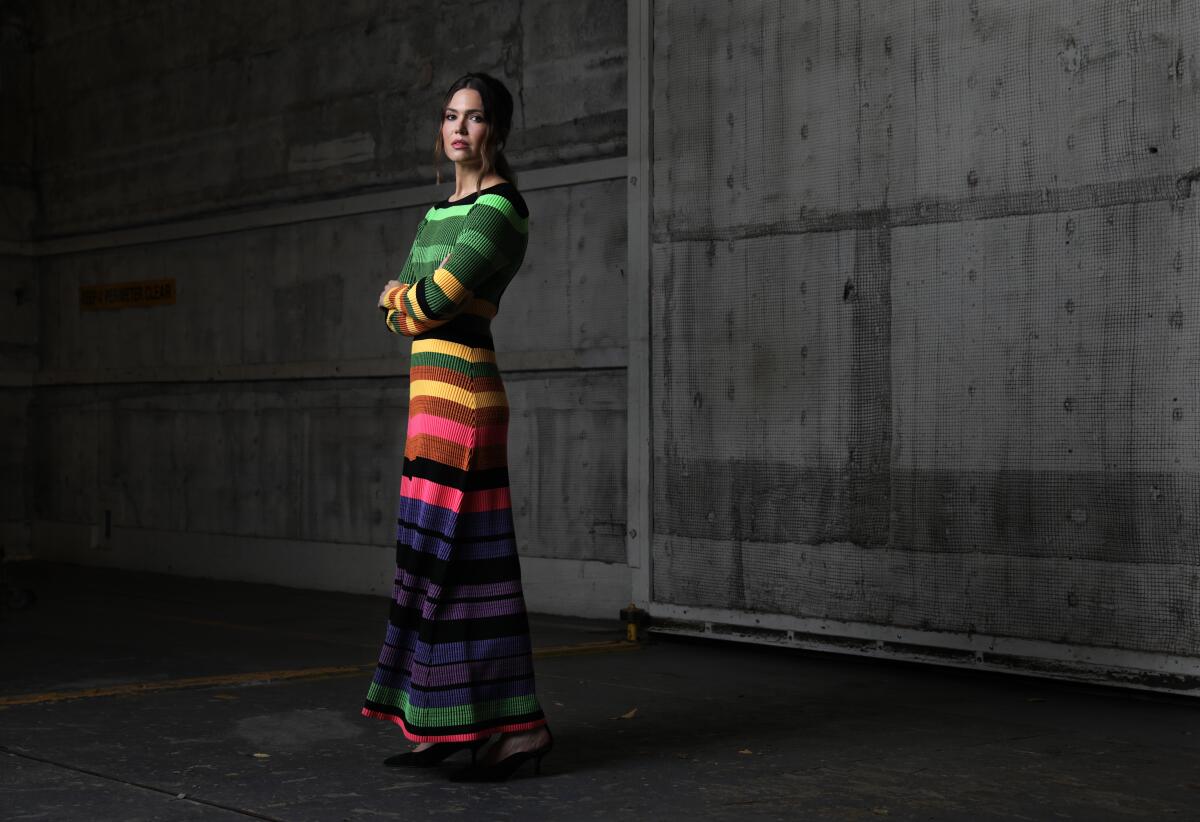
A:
[473, 736]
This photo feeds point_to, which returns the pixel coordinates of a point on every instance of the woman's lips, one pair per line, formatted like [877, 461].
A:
[458, 144]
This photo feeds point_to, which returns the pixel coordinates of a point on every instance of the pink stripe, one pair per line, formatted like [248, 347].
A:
[468, 435]
[493, 499]
[430, 492]
[471, 737]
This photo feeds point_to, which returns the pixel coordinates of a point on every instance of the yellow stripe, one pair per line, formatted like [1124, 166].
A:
[445, 391]
[451, 286]
[453, 349]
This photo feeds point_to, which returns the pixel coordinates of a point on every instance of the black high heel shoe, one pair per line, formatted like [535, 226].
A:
[435, 753]
[506, 767]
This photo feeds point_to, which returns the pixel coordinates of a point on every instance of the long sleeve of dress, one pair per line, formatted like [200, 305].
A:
[491, 234]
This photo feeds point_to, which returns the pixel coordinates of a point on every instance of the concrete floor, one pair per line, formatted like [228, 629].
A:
[130, 696]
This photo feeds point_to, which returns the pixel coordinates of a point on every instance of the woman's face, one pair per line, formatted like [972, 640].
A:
[464, 127]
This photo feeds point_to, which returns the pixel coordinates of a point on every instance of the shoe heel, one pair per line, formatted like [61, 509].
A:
[476, 747]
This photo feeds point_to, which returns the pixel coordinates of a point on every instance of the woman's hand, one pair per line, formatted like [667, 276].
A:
[383, 294]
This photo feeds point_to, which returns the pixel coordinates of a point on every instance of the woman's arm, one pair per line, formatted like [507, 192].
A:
[406, 272]
[490, 237]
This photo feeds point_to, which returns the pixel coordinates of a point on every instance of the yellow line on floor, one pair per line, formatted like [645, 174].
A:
[255, 678]
[267, 677]
[602, 647]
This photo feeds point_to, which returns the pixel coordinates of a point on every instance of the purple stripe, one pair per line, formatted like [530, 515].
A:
[419, 588]
[468, 672]
[440, 548]
[405, 670]
[475, 610]
[434, 611]
[424, 544]
[493, 589]
[467, 524]
[445, 653]
[459, 675]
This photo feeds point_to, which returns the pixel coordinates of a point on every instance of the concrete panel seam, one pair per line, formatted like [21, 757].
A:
[532, 180]
[602, 359]
[11, 248]
[16, 379]
[1161, 188]
[639, 440]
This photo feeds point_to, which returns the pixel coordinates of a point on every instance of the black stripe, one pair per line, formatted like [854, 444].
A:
[407, 671]
[439, 603]
[473, 324]
[422, 303]
[460, 662]
[506, 190]
[463, 335]
[442, 631]
[460, 572]
[477, 479]
[404, 672]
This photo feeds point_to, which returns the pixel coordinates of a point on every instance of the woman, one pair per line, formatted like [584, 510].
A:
[456, 666]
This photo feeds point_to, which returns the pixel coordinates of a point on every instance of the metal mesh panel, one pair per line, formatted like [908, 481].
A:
[924, 283]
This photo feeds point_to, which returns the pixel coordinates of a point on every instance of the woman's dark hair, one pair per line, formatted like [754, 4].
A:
[497, 111]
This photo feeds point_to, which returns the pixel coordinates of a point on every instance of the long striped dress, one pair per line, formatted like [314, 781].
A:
[456, 662]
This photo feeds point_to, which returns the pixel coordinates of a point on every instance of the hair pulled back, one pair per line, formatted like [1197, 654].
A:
[497, 112]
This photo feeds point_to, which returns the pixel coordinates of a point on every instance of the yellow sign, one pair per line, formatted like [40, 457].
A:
[127, 295]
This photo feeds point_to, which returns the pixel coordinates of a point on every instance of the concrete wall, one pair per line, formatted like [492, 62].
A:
[197, 107]
[18, 284]
[255, 429]
[924, 340]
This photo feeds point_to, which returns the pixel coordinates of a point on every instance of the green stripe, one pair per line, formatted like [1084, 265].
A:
[434, 359]
[393, 320]
[454, 715]
[431, 253]
[485, 246]
[505, 207]
[437, 299]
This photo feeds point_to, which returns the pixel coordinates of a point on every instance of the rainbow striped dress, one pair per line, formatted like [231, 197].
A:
[456, 663]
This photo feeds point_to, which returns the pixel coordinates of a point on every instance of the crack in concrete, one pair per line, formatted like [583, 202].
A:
[142, 785]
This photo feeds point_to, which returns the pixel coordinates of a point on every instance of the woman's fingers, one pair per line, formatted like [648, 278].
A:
[386, 289]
